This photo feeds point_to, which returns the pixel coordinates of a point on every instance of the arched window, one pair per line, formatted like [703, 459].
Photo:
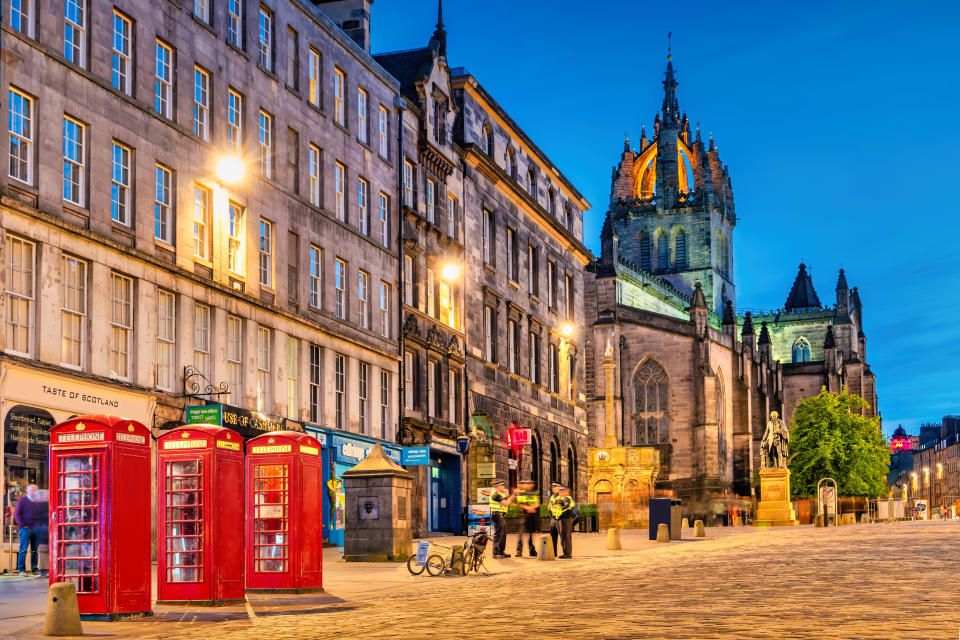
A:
[663, 250]
[721, 410]
[681, 249]
[567, 216]
[535, 462]
[512, 163]
[554, 463]
[486, 140]
[650, 404]
[801, 350]
[532, 183]
[641, 249]
[551, 202]
[572, 471]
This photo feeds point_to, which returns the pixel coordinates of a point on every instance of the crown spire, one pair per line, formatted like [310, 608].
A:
[440, 33]
[671, 110]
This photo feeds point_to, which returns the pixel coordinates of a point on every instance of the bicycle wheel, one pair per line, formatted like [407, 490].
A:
[434, 565]
[467, 560]
[413, 566]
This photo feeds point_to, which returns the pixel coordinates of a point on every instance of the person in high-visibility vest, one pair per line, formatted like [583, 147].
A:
[566, 512]
[552, 506]
[529, 500]
[500, 499]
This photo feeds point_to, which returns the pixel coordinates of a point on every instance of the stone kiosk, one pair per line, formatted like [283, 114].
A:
[619, 479]
[377, 525]
[775, 508]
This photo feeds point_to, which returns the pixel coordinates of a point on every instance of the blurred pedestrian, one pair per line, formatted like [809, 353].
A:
[500, 499]
[529, 501]
[29, 513]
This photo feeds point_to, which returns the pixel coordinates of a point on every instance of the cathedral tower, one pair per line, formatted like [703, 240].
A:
[671, 205]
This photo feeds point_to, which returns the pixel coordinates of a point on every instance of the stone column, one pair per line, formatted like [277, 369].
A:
[609, 416]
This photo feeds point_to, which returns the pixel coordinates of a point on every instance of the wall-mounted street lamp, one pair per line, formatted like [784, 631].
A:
[230, 169]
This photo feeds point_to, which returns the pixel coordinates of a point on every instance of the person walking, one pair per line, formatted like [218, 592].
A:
[500, 499]
[567, 514]
[553, 507]
[29, 516]
[528, 500]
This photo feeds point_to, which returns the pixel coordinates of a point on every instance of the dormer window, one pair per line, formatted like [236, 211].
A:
[440, 120]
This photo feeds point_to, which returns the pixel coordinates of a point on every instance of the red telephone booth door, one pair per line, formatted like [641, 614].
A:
[77, 523]
[271, 549]
[183, 537]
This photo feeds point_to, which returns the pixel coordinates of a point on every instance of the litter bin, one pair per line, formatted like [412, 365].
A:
[660, 509]
[676, 516]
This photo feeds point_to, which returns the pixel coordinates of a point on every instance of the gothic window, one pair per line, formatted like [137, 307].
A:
[721, 426]
[644, 250]
[486, 140]
[801, 350]
[681, 249]
[650, 404]
[532, 183]
[572, 470]
[512, 164]
[663, 250]
[554, 463]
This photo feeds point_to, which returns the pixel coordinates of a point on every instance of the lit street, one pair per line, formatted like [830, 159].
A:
[796, 582]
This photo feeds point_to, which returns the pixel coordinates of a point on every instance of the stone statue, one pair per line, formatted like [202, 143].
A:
[773, 447]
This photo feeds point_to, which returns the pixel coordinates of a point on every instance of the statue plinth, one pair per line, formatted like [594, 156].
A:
[775, 508]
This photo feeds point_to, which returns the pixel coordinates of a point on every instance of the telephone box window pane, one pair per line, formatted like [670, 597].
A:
[184, 520]
[78, 522]
[271, 518]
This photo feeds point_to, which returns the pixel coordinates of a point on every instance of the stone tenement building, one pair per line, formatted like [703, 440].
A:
[695, 380]
[488, 206]
[142, 273]
[936, 465]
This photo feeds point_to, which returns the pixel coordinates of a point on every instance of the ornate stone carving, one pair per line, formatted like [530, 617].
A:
[411, 327]
[453, 347]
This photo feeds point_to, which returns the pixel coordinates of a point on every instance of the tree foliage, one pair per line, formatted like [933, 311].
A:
[829, 438]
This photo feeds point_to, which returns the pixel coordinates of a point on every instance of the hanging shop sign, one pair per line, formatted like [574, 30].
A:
[517, 437]
[247, 423]
[444, 445]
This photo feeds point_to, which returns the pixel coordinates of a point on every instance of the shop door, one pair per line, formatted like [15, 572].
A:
[445, 493]
[77, 529]
[434, 498]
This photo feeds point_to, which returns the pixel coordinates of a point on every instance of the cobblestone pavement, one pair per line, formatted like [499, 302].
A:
[860, 581]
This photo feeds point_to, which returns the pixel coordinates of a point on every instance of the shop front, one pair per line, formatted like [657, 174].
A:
[444, 504]
[32, 401]
[341, 451]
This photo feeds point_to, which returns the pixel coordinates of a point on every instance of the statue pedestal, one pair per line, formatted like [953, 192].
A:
[775, 508]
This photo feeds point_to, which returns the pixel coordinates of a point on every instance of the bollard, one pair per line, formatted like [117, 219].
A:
[613, 539]
[819, 521]
[698, 530]
[63, 612]
[685, 524]
[545, 549]
[663, 532]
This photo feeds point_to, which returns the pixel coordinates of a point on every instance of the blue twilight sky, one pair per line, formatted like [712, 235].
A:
[837, 120]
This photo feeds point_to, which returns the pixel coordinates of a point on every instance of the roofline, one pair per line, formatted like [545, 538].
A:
[460, 77]
[335, 32]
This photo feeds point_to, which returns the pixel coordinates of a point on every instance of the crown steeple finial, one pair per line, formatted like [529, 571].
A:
[671, 110]
[440, 33]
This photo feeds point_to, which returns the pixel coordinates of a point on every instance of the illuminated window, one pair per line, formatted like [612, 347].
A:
[314, 77]
[121, 325]
[801, 350]
[339, 89]
[235, 238]
[73, 315]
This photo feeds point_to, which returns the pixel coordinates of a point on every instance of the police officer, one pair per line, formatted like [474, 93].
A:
[553, 507]
[529, 501]
[500, 499]
[567, 511]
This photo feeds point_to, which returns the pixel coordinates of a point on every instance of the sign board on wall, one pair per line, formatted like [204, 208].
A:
[206, 414]
[486, 470]
[26, 431]
[349, 449]
[416, 455]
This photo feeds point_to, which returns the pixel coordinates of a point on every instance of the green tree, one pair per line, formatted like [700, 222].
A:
[829, 438]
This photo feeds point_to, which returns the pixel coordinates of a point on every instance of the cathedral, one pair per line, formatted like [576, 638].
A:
[695, 379]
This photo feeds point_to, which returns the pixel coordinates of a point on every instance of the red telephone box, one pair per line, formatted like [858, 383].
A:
[100, 513]
[284, 513]
[200, 516]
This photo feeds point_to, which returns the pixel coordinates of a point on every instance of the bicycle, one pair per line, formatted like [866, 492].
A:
[473, 550]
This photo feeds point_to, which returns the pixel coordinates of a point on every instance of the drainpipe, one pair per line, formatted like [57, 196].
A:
[400, 104]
